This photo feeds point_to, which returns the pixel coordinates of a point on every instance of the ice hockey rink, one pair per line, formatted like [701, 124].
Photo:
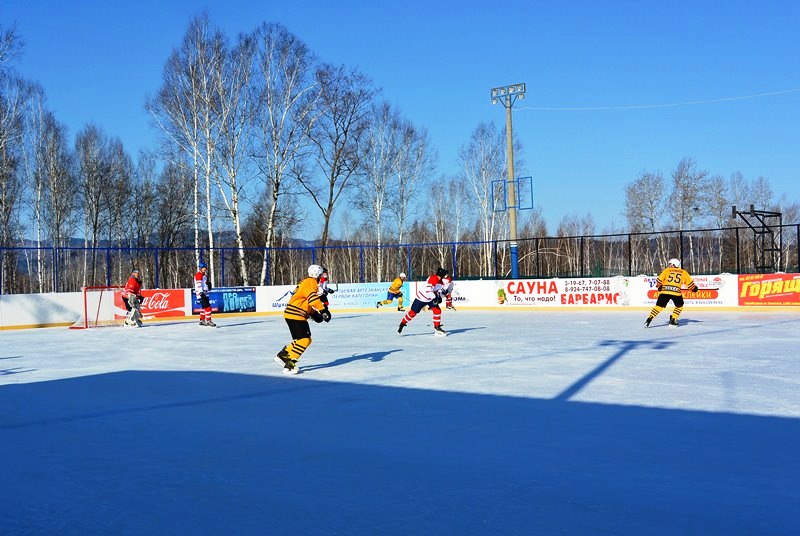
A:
[540, 422]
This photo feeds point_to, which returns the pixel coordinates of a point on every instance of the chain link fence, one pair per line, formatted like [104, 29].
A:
[706, 251]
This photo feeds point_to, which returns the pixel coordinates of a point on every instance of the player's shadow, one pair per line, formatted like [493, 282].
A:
[226, 325]
[462, 330]
[15, 370]
[374, 357]
[346, 316]
[681, 322]
[11, 357]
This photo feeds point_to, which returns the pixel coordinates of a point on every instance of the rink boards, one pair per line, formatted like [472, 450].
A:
[721, 291]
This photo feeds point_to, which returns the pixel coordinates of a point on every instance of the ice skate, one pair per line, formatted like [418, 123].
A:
[401, 309]
[291, 367]
[647, 322]
[210, 323]
[282, 358]
[202, 322]
[673, 322]
[377, 305]
[400, 328]
[439, 331]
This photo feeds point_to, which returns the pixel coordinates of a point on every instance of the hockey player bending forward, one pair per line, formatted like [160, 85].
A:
[447, 292]
[429, 294]
[304, 303]
[395, 291]
[669, 288]
[132, 298]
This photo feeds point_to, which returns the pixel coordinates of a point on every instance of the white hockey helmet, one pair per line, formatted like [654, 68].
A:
[674, 263]
[402, 275]
[315, 271]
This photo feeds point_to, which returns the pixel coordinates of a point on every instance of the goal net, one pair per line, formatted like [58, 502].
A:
[102, 307]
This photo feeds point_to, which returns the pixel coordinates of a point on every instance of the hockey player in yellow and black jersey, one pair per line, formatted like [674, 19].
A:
[669, 285]
[304, 303]
[395, 291]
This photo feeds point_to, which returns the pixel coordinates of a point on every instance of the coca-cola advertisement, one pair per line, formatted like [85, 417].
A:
[157, 303]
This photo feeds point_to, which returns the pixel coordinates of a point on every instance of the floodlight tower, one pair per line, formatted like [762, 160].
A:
[508, 95]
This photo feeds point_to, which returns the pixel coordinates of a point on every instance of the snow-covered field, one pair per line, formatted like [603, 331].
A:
[516, 423]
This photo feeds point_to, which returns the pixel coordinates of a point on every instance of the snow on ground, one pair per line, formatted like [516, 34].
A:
[516, 423]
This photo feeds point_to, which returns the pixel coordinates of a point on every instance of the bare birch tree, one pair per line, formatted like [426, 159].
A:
[645, 203]
[339, 136]
[416, 162]
[185, 109]
[14, 93]
[482, 160]
[94, 175]
[236, 110]
[60, 195]
[286, 96]
[685, 200]
[373, 191]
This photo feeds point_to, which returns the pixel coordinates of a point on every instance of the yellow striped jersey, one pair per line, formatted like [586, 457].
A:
[672, 279]
[304, 298]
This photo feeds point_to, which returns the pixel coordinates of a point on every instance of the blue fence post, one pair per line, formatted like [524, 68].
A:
[361, 263]
[156, 262]
[108, 266]
[222, 260]
[55, 269]
[408, 259]
[313, 255]
[453, 271]
[495, 259]
[266, 272]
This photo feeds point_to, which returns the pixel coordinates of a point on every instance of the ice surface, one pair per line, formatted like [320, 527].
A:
[516, 423]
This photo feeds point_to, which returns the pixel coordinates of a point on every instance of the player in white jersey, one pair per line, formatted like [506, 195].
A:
[428, 294]
[201, 289]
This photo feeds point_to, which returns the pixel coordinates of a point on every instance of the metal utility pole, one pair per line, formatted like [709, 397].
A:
[507, 95]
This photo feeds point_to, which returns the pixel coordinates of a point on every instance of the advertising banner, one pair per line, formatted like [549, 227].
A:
[593, 292]
[273, 299]
[365, 295]
[769, 289]
[596, 292]
[713, 291]
[228, 300]
[157, 303]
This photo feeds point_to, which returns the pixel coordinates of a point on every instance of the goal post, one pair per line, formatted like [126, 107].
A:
[102, 307]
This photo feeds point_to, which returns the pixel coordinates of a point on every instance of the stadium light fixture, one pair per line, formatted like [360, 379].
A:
[508, 95]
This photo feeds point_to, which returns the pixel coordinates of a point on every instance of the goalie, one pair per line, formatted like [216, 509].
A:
[132, 298]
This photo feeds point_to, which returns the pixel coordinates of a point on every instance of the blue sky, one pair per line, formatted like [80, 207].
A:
[437, 61]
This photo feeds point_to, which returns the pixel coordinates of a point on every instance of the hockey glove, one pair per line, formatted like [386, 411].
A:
[330, 291]
[326, 315]
[437, 300]
[316, 316]
[693, 288]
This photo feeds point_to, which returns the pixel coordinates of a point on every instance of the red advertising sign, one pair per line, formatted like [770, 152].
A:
[769, 289]
[157, 302]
